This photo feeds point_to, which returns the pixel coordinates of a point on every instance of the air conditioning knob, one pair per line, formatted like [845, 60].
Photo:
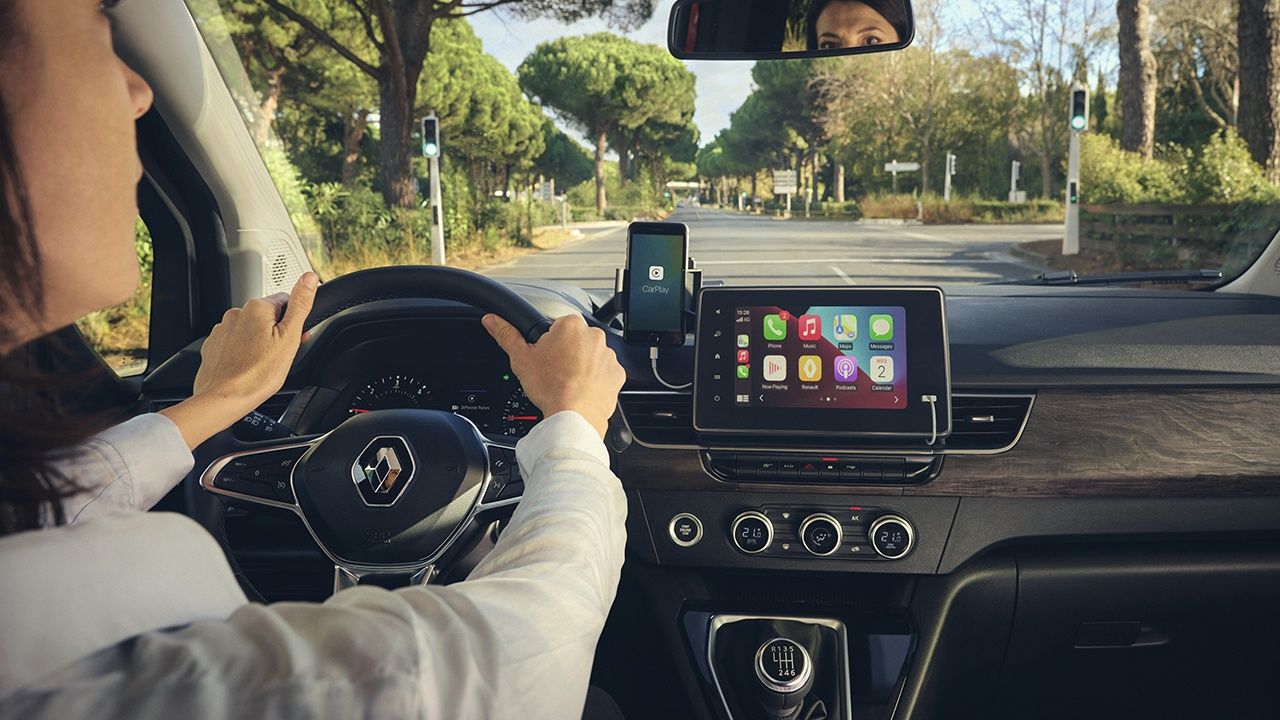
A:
[821, 534]
[892, 537]
[751, 532]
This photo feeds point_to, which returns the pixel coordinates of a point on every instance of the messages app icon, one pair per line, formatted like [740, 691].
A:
[881, 327]
[775, 328]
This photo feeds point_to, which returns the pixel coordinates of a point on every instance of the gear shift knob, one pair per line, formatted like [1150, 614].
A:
[784, 672]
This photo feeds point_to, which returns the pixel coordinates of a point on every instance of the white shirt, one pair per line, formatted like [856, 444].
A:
[137, 615]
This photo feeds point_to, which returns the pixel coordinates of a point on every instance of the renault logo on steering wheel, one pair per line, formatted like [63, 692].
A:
[383, 470]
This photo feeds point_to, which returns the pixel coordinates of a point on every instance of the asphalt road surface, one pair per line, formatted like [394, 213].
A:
[743, 249]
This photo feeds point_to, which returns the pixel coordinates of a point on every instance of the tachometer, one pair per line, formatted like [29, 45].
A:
[389, 393]
[519, 415]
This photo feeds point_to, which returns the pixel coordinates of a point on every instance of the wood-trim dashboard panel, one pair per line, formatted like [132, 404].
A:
[1077, 443]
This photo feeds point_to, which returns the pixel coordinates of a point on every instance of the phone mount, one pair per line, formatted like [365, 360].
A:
[616, 305]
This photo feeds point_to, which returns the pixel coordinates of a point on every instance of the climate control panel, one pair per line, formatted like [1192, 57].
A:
[833, 532]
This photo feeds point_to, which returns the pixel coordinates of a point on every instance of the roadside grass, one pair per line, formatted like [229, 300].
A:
[933, 210]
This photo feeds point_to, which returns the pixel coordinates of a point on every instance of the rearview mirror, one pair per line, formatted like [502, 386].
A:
[766, 29]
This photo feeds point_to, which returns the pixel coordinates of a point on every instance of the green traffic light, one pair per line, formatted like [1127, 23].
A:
[1077, 122]
[430, 149]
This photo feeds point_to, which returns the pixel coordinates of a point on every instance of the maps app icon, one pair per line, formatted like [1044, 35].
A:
[845, 327]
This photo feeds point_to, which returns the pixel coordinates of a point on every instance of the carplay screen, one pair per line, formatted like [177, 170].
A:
[822, 361]
[655, 302]
[821, 357]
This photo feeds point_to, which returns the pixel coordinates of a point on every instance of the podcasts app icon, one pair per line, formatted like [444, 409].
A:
[845, 368]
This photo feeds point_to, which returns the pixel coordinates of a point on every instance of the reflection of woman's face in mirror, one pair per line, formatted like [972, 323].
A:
[851, 23]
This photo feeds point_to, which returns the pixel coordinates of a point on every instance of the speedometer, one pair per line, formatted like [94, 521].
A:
[390, 393]
[519, 415]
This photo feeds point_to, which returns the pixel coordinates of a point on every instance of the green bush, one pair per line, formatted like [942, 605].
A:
[1224, 172]
[636, 198]
[1110, 175]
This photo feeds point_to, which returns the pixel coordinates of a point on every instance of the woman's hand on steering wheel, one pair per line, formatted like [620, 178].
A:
[244, 361]
[569, 368]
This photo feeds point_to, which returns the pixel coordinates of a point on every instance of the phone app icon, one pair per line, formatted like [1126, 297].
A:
[744, 340]
[810, 327]
[775, 368]
[656, 272]
[845, 368]
[744, 357]
[775, 327]
[881, 369]
[809, 368]
[844, 328]
[881, 327]
[744, 372]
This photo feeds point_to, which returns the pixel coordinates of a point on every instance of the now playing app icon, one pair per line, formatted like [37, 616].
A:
[845, 368]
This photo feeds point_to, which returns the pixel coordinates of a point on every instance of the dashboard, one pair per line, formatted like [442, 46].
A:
[447, 364]
[1093, 433]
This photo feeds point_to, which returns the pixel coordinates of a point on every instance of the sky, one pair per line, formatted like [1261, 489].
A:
[722, 86]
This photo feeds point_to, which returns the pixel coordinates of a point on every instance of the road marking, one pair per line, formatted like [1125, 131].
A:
[842, 261]
[844, 277]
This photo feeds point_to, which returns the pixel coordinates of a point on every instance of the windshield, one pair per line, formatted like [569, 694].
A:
[551, 124]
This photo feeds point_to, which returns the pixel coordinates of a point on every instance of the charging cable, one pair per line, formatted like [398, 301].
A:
[653, 361]
[933, 416]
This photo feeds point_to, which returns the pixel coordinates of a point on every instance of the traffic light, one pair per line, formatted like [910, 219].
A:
[430, 137]
[1079, 108]
[951, 164]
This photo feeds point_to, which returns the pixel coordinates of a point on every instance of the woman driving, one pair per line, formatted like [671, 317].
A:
[110, 611]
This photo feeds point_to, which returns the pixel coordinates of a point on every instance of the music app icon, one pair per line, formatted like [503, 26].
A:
[810, 327]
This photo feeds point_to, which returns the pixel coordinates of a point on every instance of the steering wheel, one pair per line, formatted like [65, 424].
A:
[389, 491]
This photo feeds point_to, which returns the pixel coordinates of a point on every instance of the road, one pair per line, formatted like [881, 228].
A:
[743, 249]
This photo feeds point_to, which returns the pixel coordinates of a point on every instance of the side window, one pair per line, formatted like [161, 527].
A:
[120, 333]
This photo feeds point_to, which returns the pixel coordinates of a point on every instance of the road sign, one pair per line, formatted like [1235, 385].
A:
[784, 182]
[897, 167]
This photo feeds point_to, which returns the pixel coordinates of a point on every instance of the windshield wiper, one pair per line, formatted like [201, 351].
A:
[1154, 277]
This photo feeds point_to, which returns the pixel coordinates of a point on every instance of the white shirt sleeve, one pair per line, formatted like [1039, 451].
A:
[515, 640]
[130, 466]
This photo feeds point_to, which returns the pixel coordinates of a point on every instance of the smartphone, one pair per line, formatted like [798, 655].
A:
[654, 301]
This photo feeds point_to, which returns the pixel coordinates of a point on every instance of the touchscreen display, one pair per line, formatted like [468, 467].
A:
[821, 357]
[861, 361]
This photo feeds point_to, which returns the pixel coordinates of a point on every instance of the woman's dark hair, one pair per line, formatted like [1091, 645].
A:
[34, 422]
[894, 11]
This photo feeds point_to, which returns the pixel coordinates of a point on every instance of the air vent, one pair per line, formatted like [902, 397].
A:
[659, 418]
[988, 423]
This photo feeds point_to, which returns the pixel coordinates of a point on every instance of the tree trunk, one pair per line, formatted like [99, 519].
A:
[395, 162]
[268, 107]
[602, 141]
[1137, 77]
[354, 125]
[838, 182]
[625, 168]
[1258, 31]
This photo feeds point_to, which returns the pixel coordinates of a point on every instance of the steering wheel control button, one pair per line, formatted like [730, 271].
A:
[685, 529]
[891, 537]
[783, 665]
[513, 489]
[751, 532]
[501, 461]
[821, 534]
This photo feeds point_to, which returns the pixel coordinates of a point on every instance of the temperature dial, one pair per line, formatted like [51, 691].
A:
[751, 532]
[891, 536]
